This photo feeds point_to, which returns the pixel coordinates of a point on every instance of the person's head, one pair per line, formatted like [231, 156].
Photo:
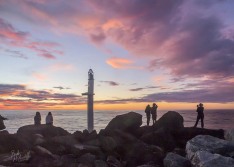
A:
[201, 105]
[49, 113]
[154, 104]
[38, 113]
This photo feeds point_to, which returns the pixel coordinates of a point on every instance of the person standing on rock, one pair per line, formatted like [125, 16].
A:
[154, 113]
[147, 111]
[200, 115]
[49, 119]
[37, 119]
[2, 126]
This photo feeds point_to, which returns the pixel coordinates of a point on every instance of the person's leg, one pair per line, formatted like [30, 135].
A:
[202, 121]
[148, 120]
[197, 121]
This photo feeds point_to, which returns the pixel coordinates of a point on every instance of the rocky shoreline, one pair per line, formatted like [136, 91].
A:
[123, 143]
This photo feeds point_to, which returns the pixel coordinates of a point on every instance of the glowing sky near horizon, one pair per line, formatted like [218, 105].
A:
[176, 53]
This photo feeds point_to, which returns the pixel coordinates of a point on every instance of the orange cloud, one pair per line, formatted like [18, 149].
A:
[119, 63]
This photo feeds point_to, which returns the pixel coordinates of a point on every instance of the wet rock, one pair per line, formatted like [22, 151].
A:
[170, 121]
[207, 159]
[45, 130]
[210, 144]
[229, 135]
[125, 122]
[2, 126]
[161, 138]
[175, 160]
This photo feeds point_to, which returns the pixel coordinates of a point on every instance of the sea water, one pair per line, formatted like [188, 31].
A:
[72, 121]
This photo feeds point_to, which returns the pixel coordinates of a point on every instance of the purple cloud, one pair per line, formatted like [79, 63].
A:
[111, 83]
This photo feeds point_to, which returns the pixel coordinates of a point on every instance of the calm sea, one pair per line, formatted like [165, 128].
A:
[77, 120]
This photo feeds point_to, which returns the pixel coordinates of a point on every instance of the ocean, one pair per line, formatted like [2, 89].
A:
[77, 120]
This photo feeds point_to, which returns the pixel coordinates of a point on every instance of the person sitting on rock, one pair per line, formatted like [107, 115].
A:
[37, 118]
[2, 126]
[200, 115]
[147, 111]
[154, 113]
[49, 119]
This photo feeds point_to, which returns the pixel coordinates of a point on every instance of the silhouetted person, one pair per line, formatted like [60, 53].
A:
[37, 119]
[49, 119]
[2, 126]
[200, 115]
[147, 111]
[154, 113]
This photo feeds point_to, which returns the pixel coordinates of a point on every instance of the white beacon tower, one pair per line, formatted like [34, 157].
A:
[90, 94]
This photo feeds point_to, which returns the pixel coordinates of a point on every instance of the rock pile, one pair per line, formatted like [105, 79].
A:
[123, 143]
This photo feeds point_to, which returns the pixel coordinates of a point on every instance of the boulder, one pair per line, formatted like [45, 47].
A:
[78, 135]
[139, 153]
[108, 144]
[45, 130]
[161, 138]
[175, 160]
[171, 121]
[11, 142]
[229, 135]
[207, 159]
[182, 135]
[15, 157]
[67, 140]
[4, 132]
[210, 144]
[38, 139]
[125, 122]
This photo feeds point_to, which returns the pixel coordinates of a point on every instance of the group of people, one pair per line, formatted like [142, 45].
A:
[48, 120]
[153, 111]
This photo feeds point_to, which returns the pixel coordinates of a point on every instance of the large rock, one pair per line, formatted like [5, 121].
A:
[184, 134]
[171, 121]
[207, 159]
[210, 144]
[125, 122]
[9, 142]
[45, 130]
[229, 135]
[161, 138]
[175, 160]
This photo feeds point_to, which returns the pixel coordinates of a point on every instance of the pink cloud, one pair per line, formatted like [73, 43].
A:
[10, 36]
[119, 63]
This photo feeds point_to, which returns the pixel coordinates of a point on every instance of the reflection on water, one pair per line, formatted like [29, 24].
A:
[77, 120]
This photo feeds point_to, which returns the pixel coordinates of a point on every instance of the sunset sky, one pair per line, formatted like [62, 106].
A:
[176, 53]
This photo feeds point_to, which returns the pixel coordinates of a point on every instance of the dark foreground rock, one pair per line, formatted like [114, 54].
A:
[210, 144]
[125, 122]
[44, 130]
[123, 143]
[207, 159]
[175, 160]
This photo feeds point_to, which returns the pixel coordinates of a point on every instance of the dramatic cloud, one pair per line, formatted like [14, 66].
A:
[14, 38]
[175, 35]
[19, 95]
[111, 83]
